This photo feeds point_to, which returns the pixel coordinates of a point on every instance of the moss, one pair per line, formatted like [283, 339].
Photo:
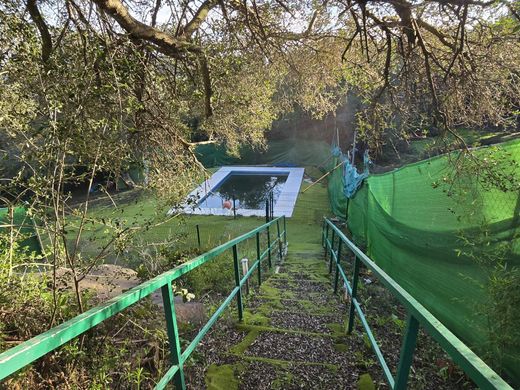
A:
[341, 347]
[240, 348]
[222, 377]
[288, 363]
[271, 292]
[282, 381]
[338, 330]
[261, 328]
[257, 318]
[366, 382]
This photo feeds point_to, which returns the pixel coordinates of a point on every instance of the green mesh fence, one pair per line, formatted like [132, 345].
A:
[283, 152]
[450, 240]
[23, 229]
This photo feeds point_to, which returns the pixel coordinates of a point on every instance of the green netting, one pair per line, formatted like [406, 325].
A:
[283, 152]
[436, 245]
[24, 225]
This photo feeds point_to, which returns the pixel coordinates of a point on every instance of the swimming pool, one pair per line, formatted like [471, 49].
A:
[250, 187]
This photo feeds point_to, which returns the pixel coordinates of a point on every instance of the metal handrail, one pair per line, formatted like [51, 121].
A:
[22, 355]
[418, 315]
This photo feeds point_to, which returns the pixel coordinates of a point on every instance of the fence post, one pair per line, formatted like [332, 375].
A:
[173, 335]
[323, 234]
[266, 210]
[279, 240]
[353, 296]
[234, 207]
[284, 231]
[258, 258]
[269, 248]
[326, 247]
[237, 284]
[198, 234]
[245, 269]
[337, 267]
[407, 350]
[332, 250]
[272, 205]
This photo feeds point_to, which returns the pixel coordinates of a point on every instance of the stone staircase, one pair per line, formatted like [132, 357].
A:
[293, 335]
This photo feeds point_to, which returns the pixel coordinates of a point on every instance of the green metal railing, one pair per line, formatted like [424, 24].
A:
[418, 316]
[24, 354]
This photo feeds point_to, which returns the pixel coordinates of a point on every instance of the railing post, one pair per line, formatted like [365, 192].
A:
[284, 231]
[173, 335]
[336, 277]
[245, 269]
[237, 283]
[198, 235]
[258, 258]
[323, 233]
[269, 248]
[332, 250]
[272, 204]
[326, 238]
[352, 309]
[279, 240]
[407, 350]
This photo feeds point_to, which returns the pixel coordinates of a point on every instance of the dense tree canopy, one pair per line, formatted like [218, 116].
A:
[228, 68]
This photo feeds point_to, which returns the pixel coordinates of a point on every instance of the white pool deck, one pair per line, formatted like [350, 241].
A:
[284, 205]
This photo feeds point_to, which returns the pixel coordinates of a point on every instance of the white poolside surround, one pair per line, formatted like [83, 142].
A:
[284, 205]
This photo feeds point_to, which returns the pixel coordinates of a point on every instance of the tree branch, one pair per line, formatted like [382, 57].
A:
[198, 18]
[37, 18]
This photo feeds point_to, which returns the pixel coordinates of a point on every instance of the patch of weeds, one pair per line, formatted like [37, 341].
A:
[363, 361]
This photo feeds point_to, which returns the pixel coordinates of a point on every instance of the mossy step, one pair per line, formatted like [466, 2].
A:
[263, 374]
[297, 347]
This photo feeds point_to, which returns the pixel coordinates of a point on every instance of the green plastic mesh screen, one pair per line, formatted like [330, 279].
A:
[441, 236]
[284, 152]
[23, 228]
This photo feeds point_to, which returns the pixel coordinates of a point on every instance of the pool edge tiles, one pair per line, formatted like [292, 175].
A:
[284, 205]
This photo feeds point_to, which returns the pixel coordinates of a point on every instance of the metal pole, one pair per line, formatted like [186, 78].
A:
[245, 270]
[323, 234]
[198, 234]
[354, 296]
[237, 284]
[332, 250]
[279, 240]
[284, 231]
[407, 350]
[336, 278]
[173, 335]
[269, 248]
[258, 258]
[272, 205]
[266, 210]
[326, 247]
[234, 208]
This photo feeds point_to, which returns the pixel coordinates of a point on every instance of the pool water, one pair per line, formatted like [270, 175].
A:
[250, 191]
